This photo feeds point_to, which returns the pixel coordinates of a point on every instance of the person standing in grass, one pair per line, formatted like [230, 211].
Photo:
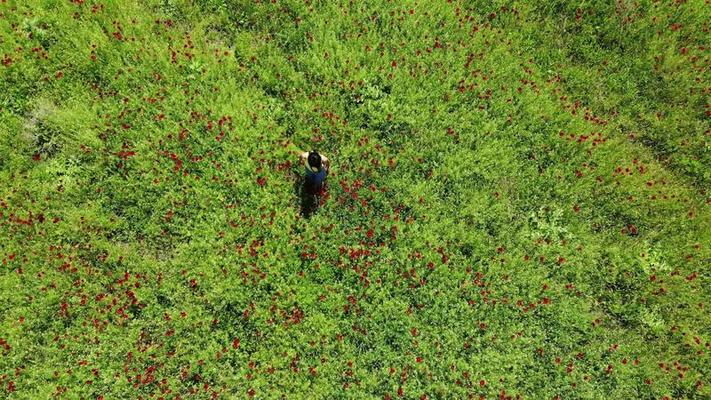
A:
[314, 181]
[316, 170]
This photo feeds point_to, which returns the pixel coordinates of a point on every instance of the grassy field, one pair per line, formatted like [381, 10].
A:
[518, 203]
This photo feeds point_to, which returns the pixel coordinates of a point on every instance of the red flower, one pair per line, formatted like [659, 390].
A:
[235, 344]
[125, 154]
[177, 161]
[632, 229]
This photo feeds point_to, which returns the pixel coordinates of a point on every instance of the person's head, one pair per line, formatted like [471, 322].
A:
[314, 160]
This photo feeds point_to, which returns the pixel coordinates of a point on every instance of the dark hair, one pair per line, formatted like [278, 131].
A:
[314, 159]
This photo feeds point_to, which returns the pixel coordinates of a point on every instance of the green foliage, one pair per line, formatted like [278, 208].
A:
[517, 205]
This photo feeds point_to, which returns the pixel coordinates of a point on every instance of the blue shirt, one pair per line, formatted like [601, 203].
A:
[315, 179]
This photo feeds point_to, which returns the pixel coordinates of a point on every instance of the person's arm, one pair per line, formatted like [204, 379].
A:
[326, 162]
[302, 157]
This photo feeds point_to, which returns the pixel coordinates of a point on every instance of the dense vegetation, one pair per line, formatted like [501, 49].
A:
[518, 205]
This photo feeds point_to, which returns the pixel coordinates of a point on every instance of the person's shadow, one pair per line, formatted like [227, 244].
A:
[308, 197]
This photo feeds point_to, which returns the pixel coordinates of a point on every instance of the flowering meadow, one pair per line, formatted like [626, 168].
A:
[518, 204]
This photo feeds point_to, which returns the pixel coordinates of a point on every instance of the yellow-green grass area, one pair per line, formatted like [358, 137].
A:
[517, 205]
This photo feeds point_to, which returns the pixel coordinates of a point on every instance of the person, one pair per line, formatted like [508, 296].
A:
[316, 165]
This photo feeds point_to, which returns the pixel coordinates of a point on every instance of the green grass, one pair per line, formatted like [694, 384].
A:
[518, 205]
